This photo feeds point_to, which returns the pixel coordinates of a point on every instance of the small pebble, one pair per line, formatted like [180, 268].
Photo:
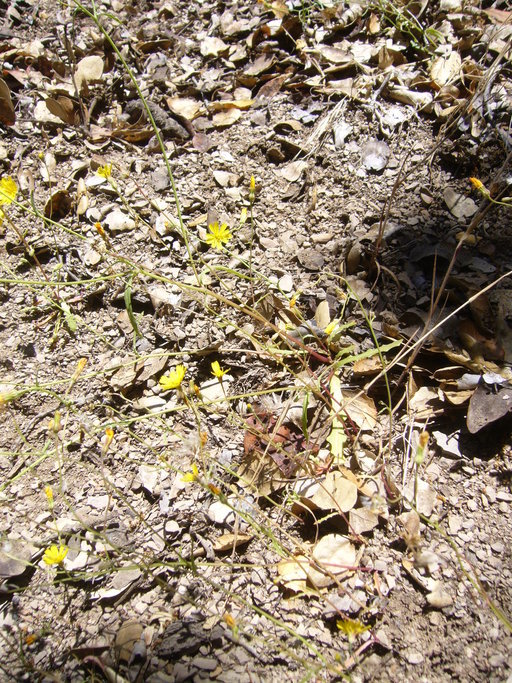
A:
[415, 658]
[490, 493]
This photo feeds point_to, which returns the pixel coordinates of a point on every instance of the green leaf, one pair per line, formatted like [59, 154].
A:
[69, 317]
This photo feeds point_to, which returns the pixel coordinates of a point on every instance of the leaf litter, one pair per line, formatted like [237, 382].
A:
[321, 476]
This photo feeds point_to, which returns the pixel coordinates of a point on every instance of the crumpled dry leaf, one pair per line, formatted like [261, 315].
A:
[293, 573]
[445, 69]
[362, 520]
[7, 114]
[293, 171]
[361, 409]
[58, 206]
[375, 155]
[336, 554]
[213, 47]
[127, 636]
[333, 492]
[88, 70]
[186, 107]
[64, 108]
[226, 118]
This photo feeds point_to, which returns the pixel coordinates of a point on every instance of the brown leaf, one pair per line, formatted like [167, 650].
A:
[58, 206]
[262, 63]
[227, 542]
[133, 133]
[88, 70]
[7, 115]
[129, 633]
[226, 118]
[186, 107]
[269, 89]
[63, 107]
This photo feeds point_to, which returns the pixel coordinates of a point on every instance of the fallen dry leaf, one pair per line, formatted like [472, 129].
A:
[88, 70]
[7, 114]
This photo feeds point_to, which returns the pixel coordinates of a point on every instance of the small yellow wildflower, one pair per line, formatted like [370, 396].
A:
[55, 554]
[243, 216]
[49, 496]
[229, 619]
[105, 171]
[191, 476]
[293, 300]
[218, 235]
[217, 371]
[173, 379]
[8, 190]
[478, 185]
[107, 440]
[351, 628]
[331, 327]
[78, 371]
[252, 189]
[8, 396]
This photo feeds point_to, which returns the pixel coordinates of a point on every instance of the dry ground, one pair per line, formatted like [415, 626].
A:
[152, 588]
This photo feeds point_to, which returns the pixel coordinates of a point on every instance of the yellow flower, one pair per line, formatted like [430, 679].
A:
[49, 495]
[191, 476]
[217, 370]
[8, 190]
[105, 171]
[107, 440]
[218, 235]
[79, 369]
[253, 184]
[351, 627]
[7, 397]
[55, 554]
[173, 379]
[331, 327]
[478, 185]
